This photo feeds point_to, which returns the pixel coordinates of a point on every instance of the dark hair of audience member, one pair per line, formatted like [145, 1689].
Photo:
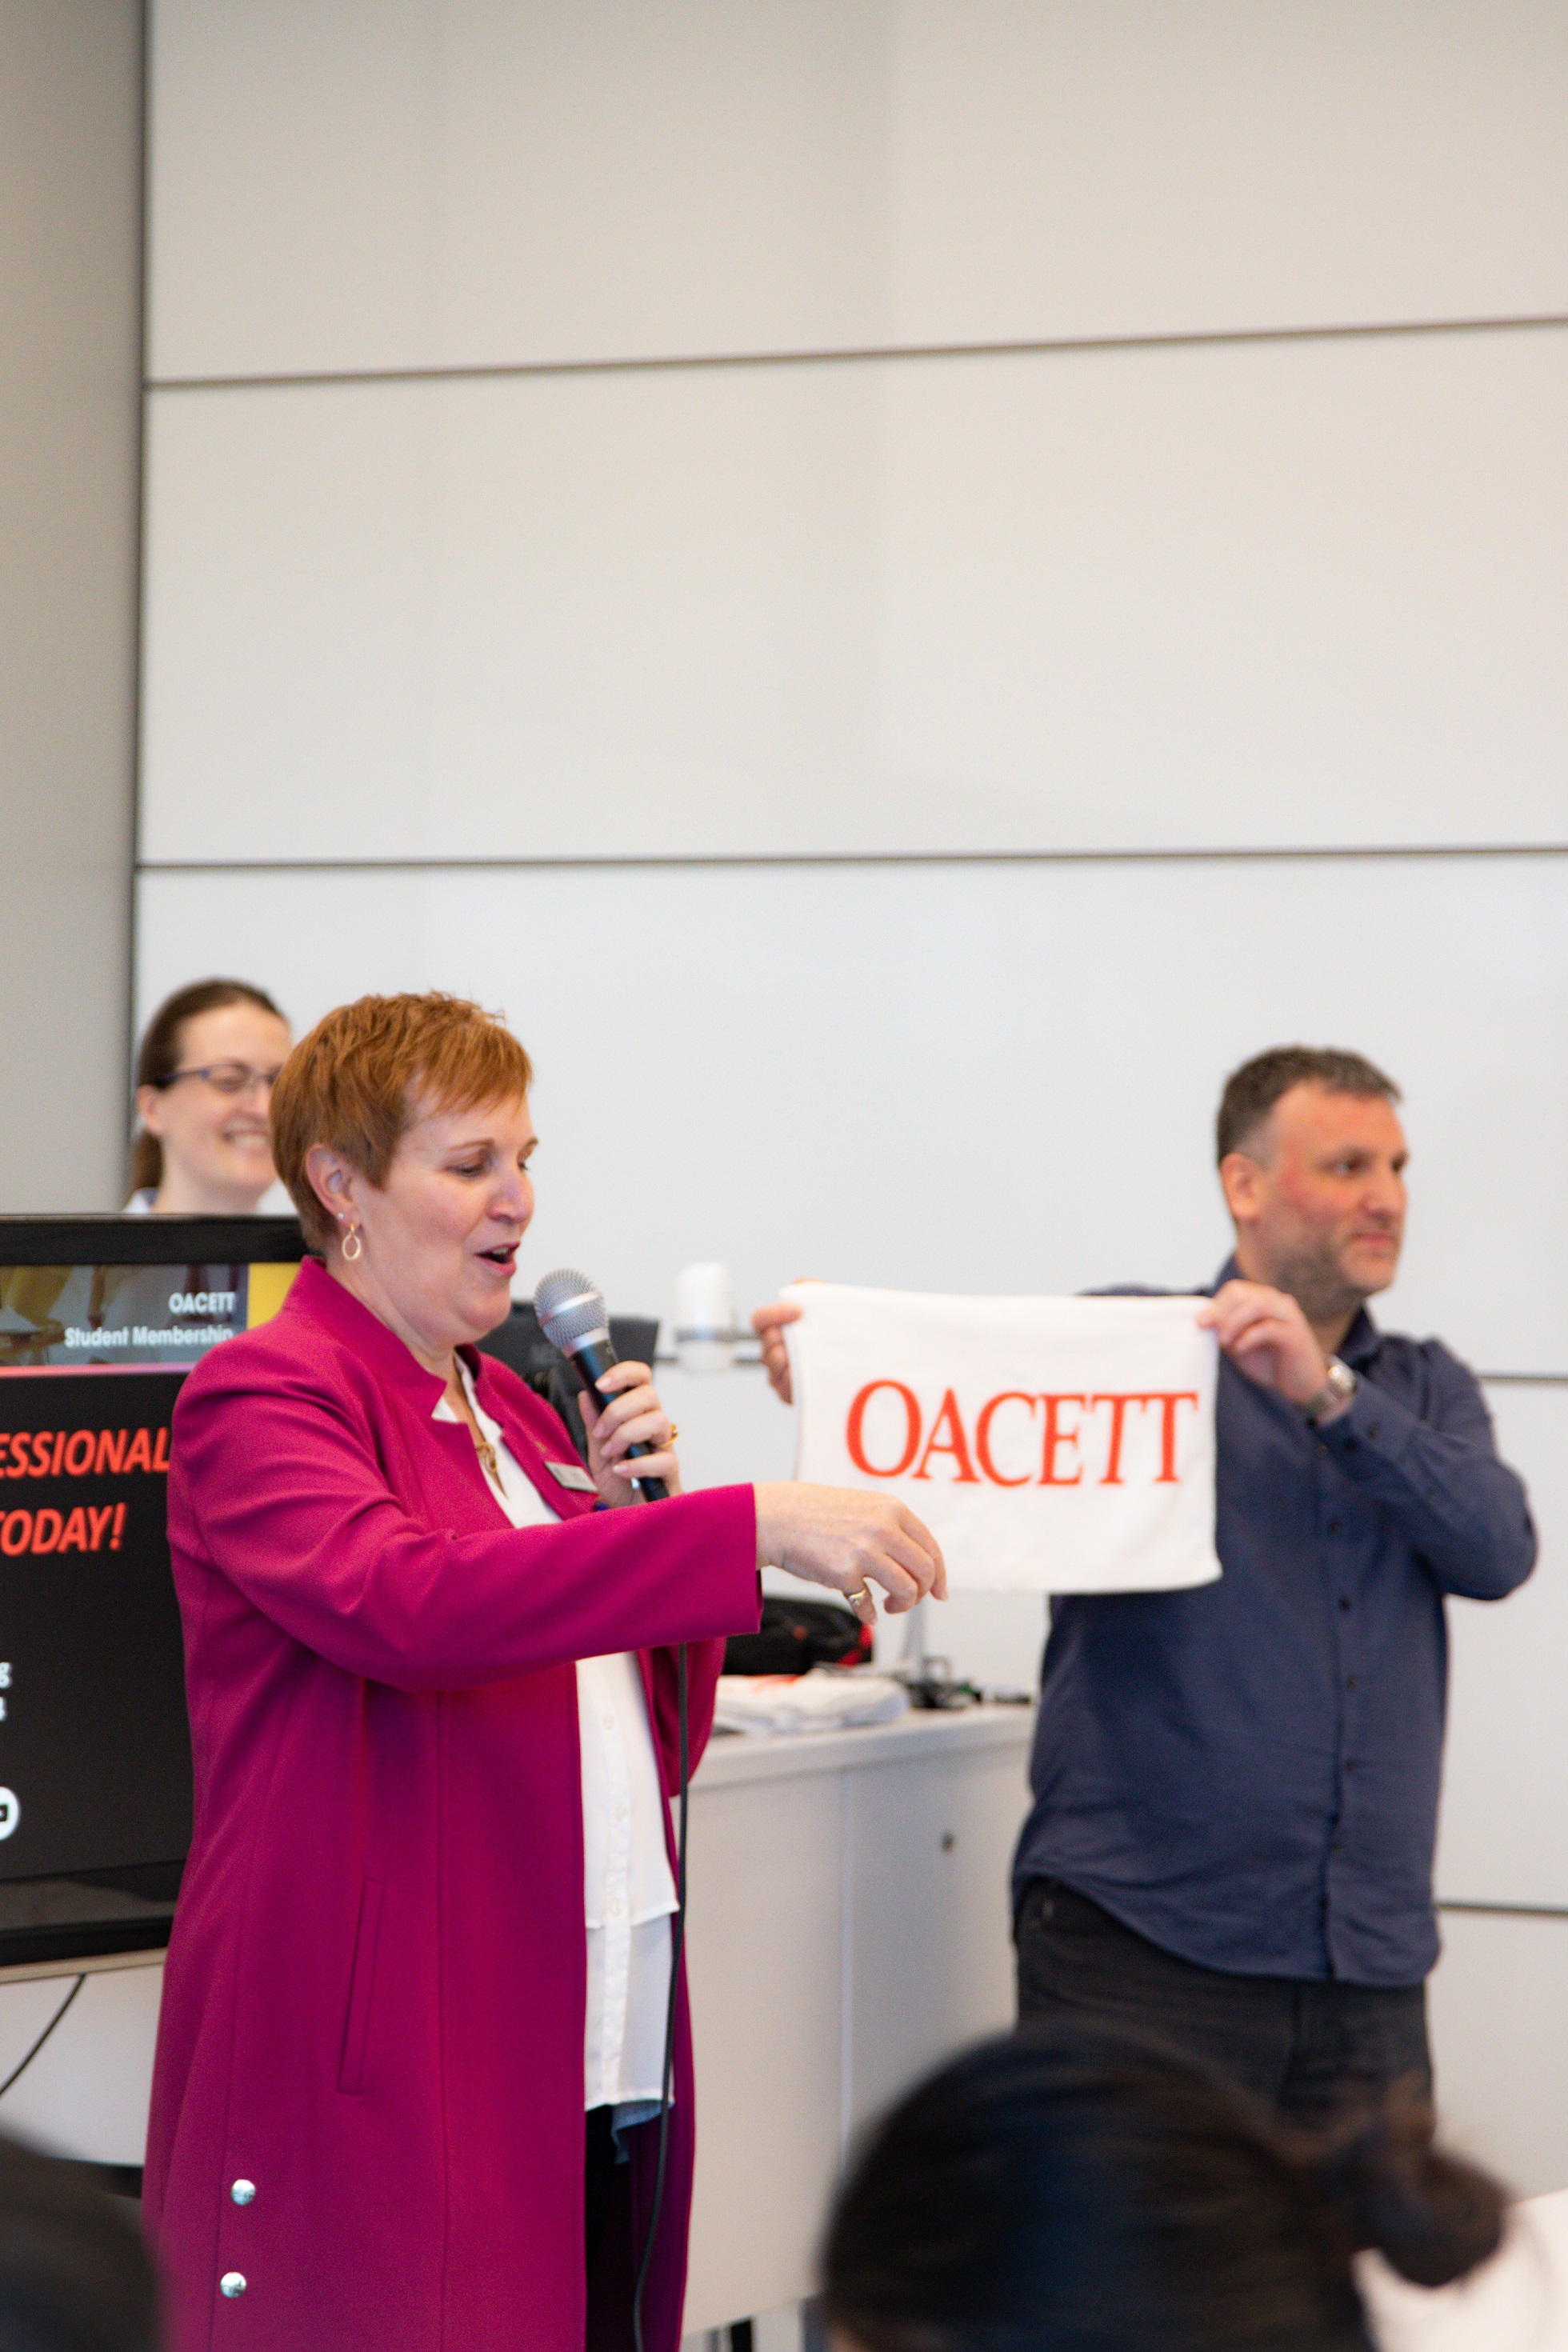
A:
[74, 2274]
[1047, 2194]
[158, 1057]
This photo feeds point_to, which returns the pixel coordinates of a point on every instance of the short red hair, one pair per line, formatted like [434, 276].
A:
[367, 1072]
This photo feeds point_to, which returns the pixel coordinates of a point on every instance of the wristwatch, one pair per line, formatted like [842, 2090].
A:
[1340, 1384]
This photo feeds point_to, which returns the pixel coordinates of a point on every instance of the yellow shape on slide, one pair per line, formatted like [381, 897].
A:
[32, 1290]
[268, 1288]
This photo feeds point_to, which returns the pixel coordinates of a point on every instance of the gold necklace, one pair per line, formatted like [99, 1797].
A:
[482, 1446]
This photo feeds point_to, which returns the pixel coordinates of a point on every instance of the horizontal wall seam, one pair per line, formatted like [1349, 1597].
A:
[1521, 849]
[1507, 1910]
[1196, 338]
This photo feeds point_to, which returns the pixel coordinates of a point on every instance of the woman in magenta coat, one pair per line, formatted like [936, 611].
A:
[389, 2007]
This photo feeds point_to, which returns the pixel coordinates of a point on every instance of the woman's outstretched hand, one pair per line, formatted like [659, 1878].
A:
[625, 1411]
[849, 1541]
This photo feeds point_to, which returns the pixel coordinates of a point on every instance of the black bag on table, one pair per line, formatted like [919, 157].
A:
[796, 1635]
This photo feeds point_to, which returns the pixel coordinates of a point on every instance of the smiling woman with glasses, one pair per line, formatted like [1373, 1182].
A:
[204, 1085]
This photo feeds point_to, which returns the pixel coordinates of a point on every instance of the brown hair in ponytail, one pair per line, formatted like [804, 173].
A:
[1430, 2215]
[159, 1055]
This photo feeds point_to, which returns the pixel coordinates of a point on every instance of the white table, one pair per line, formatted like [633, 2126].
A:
[848, 1926]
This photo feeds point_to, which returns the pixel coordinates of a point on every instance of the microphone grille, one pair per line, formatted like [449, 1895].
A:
[570, 1309]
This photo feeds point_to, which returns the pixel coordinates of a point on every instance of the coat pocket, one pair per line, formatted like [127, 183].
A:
[362, 1988]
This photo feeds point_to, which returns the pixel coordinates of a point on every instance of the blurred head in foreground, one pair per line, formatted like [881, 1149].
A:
[74, 2276]
[1042, 2194]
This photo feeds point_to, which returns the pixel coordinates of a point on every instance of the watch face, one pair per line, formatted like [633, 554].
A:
[1339, 1384]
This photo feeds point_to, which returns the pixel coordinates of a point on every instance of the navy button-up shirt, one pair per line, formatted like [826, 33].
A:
[1246, 1773]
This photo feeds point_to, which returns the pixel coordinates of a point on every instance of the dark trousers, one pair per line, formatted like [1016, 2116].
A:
[598, 2179]
[1310, 2047]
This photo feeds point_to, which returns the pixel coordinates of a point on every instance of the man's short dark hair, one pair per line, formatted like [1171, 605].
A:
[1251, 1092]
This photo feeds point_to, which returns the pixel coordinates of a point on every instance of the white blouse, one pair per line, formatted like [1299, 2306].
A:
[628, 1886]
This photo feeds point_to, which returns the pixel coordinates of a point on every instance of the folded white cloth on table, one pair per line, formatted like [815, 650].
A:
[1050, 1444]
[829, 1698]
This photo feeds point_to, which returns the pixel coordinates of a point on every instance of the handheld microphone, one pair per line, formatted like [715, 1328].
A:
[572, 1316]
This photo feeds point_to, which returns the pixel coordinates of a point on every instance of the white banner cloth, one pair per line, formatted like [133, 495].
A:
[1050, 1444]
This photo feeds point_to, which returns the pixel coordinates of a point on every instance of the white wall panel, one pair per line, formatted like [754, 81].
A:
[1499, 2037]
[1505, 1808]
[618, 615]
[344, 184]
[976, 1078]
[374, 183]
[1138, 166]
[1274, 595]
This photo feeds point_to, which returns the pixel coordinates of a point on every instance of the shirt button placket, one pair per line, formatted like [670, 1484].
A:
[1338, 1566]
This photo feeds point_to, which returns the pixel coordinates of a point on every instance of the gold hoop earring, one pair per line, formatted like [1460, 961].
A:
[353, 1245]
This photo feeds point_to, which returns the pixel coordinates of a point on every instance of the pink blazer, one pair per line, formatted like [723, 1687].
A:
[374, 2003]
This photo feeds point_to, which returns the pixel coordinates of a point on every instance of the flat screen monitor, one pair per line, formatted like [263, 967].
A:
[100, 1320]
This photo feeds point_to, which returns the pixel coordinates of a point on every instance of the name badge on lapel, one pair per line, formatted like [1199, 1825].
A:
[572, 1474]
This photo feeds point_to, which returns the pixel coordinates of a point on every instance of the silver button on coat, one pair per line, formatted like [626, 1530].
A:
[243, 2191]
[232, 2284]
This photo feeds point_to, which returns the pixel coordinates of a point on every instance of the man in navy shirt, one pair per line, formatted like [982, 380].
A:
[1235, 1787]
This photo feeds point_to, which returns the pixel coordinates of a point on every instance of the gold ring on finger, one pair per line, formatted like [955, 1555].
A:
[674, 1433]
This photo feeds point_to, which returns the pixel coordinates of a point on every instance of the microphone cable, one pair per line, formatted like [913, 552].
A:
[676, 1949]
[574, 1317]
[22, 2065]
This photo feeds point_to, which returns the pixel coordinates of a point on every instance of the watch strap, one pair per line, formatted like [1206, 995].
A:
[1339, 1386]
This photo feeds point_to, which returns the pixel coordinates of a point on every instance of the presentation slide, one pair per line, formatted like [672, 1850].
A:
[95, 1770]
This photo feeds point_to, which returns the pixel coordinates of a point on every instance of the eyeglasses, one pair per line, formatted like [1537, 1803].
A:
[224, 1077]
